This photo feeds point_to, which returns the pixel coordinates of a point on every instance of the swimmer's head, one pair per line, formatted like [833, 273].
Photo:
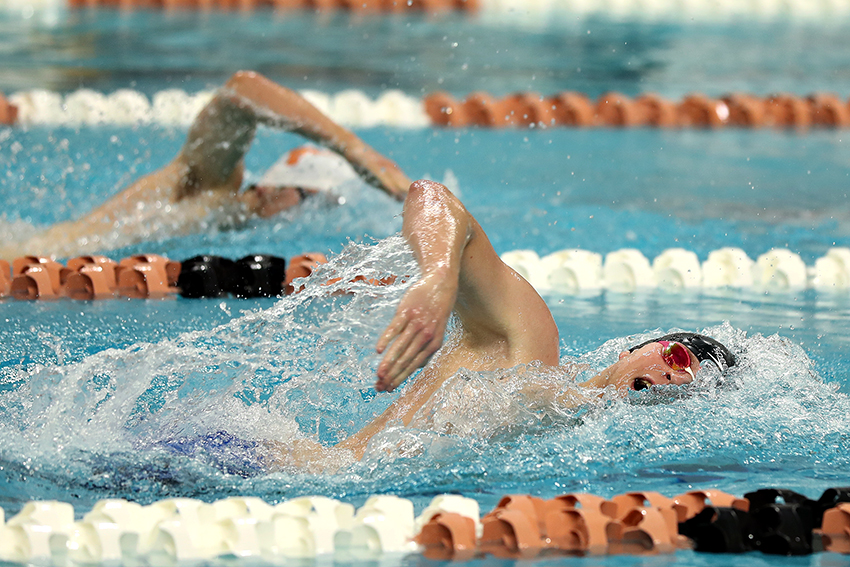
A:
[311, 168]
[672, 359]
[702, 347]
[303, 171]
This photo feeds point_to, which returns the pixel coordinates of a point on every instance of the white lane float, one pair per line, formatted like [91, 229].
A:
[522, 11]
[177, 108]
[306, 527]
[572, 271]
[727, 267]
[627, 270]
[383, 525]
[37, 533]
[832, 271]
[677, 268]
[781, 270]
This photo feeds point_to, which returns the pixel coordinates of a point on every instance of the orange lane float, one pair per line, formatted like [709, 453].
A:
[690, 504]
[700, 111]
[366, 6]
[35, 277]
[8, 112]
[527, 110]
[580, 531]
[616, 110]
[745, 111]
[788, 111]
[5, 278]
[572, 109]
[170, 268]
[444, 110]
[828, 111]
[657, 112]
[579, 523]
[448, 535]
[301, 267]
[835, 531]
[482, 109]
[147, 276]
[510, 533]
[90, 277]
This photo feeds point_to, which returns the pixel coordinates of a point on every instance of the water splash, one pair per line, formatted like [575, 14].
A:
[304, 369]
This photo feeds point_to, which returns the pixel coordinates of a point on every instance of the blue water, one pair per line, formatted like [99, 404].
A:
[108, 50]
[88, 389]
[514, 193]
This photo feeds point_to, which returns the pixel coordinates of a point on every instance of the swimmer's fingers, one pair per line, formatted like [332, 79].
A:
[416, 331]
[418, 362]
[392, 331]
[412, 347]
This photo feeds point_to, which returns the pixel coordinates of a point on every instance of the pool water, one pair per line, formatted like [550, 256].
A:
[89, 390]
[146, 50]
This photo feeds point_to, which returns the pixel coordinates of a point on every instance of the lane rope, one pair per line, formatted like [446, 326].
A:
[568, 271]
[119, 532]
[353, 108]
[501, 11]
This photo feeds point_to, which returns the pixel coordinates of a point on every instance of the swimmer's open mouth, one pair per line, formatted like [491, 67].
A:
[641, 384]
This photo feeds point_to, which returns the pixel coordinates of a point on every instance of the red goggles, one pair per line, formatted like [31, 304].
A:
[676, 356]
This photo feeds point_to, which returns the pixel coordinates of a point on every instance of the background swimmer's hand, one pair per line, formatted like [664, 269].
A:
[416, 331]
[379, 171]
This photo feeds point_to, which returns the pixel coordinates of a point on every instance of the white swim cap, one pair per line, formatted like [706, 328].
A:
[311, 168]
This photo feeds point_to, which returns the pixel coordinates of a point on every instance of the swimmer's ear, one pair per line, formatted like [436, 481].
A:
[623, 355]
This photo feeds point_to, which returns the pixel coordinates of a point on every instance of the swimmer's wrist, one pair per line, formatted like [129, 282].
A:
[438, 271]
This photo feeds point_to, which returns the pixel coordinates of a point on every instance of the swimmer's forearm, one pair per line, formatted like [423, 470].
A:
[275, 105]
[437, 227]
[268, 103]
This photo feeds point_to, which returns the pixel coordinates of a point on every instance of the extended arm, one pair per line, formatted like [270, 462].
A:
[222, 133]
[209, 169]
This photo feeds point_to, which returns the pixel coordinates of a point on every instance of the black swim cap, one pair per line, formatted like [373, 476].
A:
[704, 348]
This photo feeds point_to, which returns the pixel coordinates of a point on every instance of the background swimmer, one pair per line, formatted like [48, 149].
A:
[202, 184]
[502, 322]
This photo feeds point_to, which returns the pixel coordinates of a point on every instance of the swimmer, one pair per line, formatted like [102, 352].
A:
[502, 322]
[204, 180]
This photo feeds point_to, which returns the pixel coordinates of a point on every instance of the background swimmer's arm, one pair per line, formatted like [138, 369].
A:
[86, 235]
[222, 134]
[504, 321]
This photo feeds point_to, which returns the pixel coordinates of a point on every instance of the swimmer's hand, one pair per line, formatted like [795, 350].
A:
[417, 329]
[377, 170]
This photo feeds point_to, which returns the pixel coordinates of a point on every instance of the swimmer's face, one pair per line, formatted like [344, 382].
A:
[267, 201]
[655, 364]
